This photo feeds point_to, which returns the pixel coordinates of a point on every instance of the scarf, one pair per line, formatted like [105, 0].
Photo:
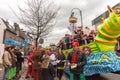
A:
[74, 59]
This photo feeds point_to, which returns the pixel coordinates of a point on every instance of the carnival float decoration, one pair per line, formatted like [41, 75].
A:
[101, 57]
[109, 31]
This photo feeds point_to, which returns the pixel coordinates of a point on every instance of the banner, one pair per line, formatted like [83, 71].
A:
[13, 42]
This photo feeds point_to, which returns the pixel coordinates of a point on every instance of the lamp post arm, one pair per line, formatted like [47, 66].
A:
[80, 15]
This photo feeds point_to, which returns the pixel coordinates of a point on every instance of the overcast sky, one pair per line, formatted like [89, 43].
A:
[90, 10]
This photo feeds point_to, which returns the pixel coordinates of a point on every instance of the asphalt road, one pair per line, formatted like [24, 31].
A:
[106, 76]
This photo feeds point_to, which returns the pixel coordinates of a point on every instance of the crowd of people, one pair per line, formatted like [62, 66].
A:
[50, 62]
[12, 62]
[79, 36]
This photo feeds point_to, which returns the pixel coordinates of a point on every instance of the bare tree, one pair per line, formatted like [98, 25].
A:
[38, 16]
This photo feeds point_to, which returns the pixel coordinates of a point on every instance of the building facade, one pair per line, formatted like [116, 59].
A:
[13, 35]
[2, 28]
[98, 20]
[10, 35]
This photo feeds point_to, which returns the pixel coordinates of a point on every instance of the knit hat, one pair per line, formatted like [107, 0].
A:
[92, 31]
[66, 34]
[33, 47]
[75, 44]
[7, 45]
[60, 41]
[84, 35]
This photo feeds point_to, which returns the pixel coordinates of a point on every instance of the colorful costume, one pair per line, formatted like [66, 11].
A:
[45, 70]
[78, 36]
[84, 39]
[109, 31]
[67, 40]
[37, 65]
[60, 65]
[61, 45]
[78, 58]
[30, 67]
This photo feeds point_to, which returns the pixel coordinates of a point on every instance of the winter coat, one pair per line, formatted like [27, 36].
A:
[7, 59]
[36, 59]
[19, 55]
[30, 58]
[83, 41]
[45, 61]
[13, 59]
[80, 61]
[60, 57]
[91, 37]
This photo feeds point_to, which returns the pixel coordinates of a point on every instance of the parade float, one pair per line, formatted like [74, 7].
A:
[102, 57]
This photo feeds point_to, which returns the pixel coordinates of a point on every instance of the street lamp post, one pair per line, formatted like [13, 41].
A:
[80, 15]
[73, 19]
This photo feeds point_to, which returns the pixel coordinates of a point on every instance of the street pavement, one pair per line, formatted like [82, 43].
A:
[23, 78]
[21, 73]
[1, 72]
[111, 76]
[106, 76]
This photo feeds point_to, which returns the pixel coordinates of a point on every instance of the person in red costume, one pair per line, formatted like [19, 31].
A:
[61, 45]
[47, 51]
[76, 61]
[37, 64]
[30, 62]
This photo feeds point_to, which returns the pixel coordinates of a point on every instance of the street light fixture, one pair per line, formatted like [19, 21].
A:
[73, 19]
[80, 15]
